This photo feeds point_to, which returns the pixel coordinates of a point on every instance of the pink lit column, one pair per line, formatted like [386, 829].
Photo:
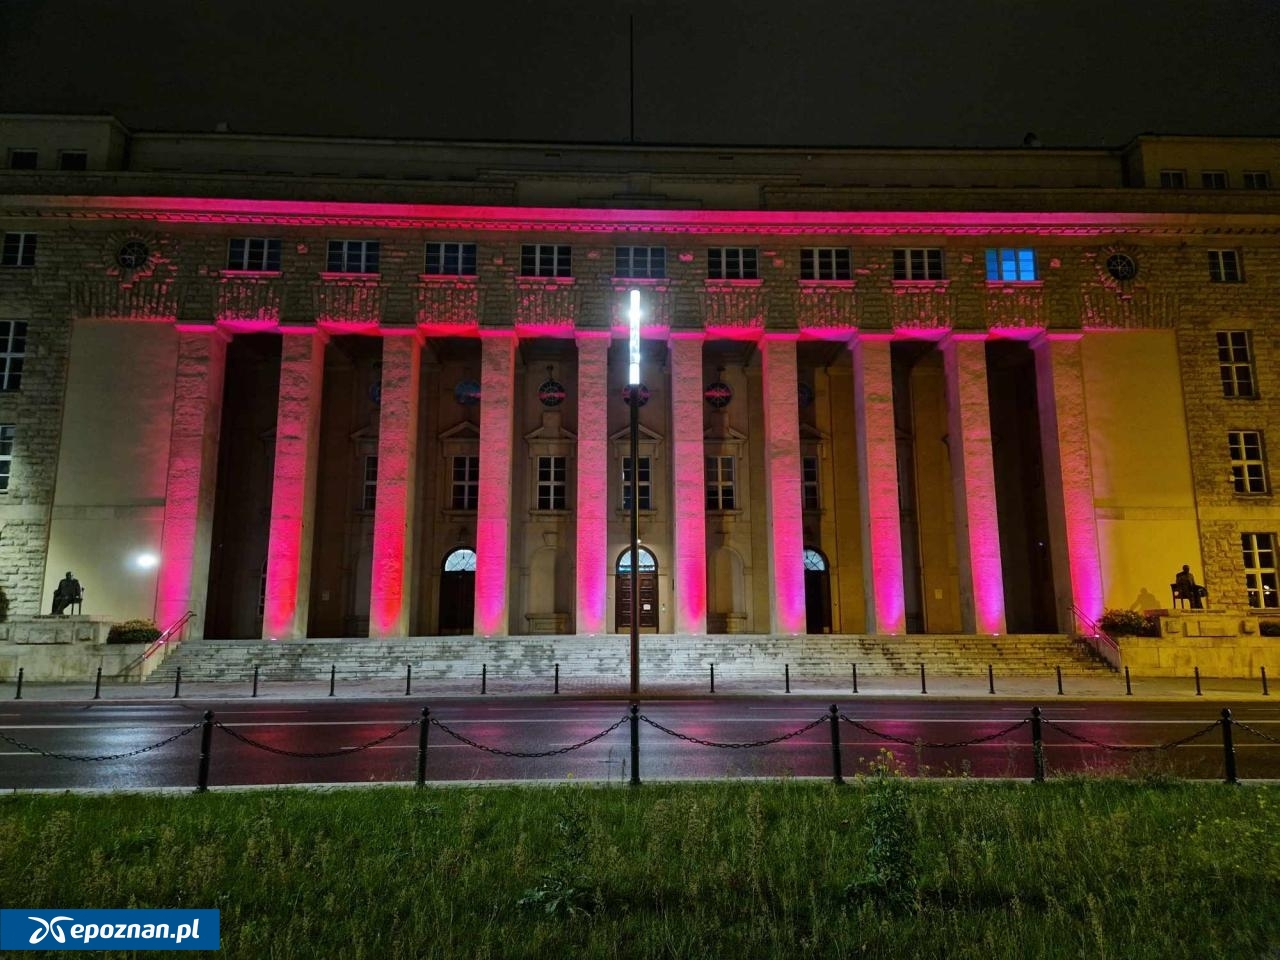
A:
[393, 509]
[973, 481]
[593, 481]
[689, 522]
[878, 489]
[183, 580]
[1068, 477]
[493, 513]
[782, 482]
[294, 489]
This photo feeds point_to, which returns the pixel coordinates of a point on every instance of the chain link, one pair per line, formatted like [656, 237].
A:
[319, 755]
[732, 746]
[527, 756]
[111, 756]
[1119, 748]
[1254, 731]
[937, 746]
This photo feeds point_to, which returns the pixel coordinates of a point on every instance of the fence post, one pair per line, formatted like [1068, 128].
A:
[837, 776]
[18, 694]
[855, 677]
[923, 688]
[788, 676]
[1228, 748]
[206, 750]
[177, 683]
[635, 745]
[1037, 745]
[1198, 693]
[1059, 670]
[422, 745]
[713, 677]
[1265, 691]
[97, 684]
[255, 680]
[991, 679]
[408, 678]
[333, 677]
[484, 678]
[1128, 686]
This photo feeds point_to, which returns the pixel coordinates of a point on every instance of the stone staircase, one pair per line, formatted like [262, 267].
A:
[662, 656]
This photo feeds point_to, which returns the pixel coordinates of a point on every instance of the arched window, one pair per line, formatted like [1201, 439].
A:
[813, 560]
[462, 560]
[647, 563]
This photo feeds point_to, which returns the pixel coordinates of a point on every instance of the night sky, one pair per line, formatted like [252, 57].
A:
[803, 72]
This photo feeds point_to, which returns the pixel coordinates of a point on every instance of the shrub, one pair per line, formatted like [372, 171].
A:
[1124, 623]
[133, 631]
[889, 870]
[1269, 628]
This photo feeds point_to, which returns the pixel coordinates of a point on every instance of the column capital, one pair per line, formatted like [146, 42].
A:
[779, 336]
[211, 327]
[587, 336]
[399, 333]
[302, 330]
[1055, 336]
[498, 333]
[686, 335]
[963, 336]
[877, 336]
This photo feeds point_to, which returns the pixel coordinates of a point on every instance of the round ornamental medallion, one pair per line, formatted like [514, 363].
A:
[1122, 267]
[641, 394]
[551, 393]
[133, 255]
[467, 393]
[718, 394]
[805, 394]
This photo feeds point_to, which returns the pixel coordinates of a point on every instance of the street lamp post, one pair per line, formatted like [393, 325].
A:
[633, 398]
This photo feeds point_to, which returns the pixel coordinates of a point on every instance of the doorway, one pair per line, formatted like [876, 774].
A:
[817, 592]
[646, 585]
[458, 592]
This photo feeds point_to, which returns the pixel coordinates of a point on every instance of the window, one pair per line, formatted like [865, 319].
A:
[1248, 467]
[643, 486]
[640, 262]
[731, 263]
[551, 483]
[353, 256]
[1009, 264]
[253, 253]
[22, 159]
[1224, 266]
[73, 160]
[1257, 180]
[917, 263]
[13, 349]
[369, 493]
[1259, 568]
[19, 250]
[7, 432]
[460, 561]
[545, 260]
[825, 263]
[814, 561]
[720, 484]
[451, 260]
[1214, 179]
[809, 483]
[466, 483]
[1173, 179]
[1235, 362]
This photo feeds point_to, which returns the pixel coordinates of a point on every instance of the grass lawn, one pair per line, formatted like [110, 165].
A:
[883, 867]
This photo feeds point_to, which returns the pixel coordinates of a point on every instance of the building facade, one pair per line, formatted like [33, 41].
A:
[329, 388]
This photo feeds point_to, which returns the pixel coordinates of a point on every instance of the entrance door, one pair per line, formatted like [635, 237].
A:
[458, 592]
[817, 592]
[647, 585]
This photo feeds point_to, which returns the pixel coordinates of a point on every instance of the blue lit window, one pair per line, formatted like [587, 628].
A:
[1009, 264]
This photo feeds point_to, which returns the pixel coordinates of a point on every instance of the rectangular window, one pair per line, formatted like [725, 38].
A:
[1010, 264]
[1173, 179]
[551, 483]
[1224, 266]
[353, 256]
[1259, 569]
[809, 483]
[13, 350]
[466, 483]
[1257, 180]
[825, 263]
[7, 433]
[451, 260]
[259, 254]
[1248, 466]
[369, 492]
[1214, 179]
[720, 484]
[732, 263]
[22, 159]
[73, 160]
[1235, 363]
[643, 485]
[19, 250]
[917, 263]
[545, 260]
[648, 263]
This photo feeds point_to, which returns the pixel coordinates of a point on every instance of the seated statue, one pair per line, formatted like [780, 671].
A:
[67, 593]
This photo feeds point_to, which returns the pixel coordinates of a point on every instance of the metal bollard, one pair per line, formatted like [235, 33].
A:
[635, 745]
[484, 678]
[206, 750]
[788, 676]
[18, 694]
[1228, 748]
[557, 689]
[1198, 693]
[1037, 746]
[837, 776]
[1059, 670]
[713, 677]
[1128, 686]
[923, 688]
[333, 678]
[408, 678]
[255, 681]
[177, 683]
[991, 679]
[97, 684]
[855, 677]
[422, 746]
[1265, 691]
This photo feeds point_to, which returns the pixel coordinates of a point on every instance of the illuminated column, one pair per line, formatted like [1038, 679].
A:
[493, 513]
[973, 482]
[1068, 477]
[689, 520]
[878, 489]
[393, 507]
[593, 481]
[293, 492]
[783, 501]
[183, 580]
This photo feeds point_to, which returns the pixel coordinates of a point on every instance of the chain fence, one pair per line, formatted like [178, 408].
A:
[74, 758]
[948, 745]
[1256, 732]
[747, 745]
[315, 755]
[497, 752]
[1139, 748]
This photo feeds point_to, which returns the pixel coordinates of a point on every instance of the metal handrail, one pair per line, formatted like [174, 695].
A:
[159, 643]
[1103, 644]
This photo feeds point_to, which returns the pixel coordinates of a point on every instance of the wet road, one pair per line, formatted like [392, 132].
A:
[538, 724]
